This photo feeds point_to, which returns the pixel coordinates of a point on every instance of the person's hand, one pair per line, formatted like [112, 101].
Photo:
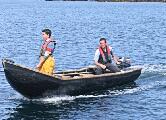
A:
[103, 66]
[118, 63]
[37, 67]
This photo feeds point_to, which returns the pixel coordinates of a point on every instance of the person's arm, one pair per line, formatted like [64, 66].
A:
[42, 59]
[115, 58]
[96, 58]
[99, 64]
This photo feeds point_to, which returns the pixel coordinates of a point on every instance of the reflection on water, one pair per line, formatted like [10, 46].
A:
[63, 107]
[136, 30]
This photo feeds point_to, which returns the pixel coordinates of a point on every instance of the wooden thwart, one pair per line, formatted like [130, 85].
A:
[75, 75]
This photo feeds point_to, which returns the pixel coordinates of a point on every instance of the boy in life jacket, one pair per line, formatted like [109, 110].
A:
[103, 58]
[47, 63]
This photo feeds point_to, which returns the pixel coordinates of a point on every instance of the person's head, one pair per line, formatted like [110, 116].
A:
[46, 33]
[103, 42]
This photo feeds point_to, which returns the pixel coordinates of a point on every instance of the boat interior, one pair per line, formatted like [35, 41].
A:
[77, 73]
[81, 73]
[89, 71]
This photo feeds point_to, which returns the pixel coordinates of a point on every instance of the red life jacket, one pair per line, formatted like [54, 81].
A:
[104, 58]
[45, 47]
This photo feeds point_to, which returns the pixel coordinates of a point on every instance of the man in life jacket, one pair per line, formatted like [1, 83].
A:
[103, 58]
[47, 63]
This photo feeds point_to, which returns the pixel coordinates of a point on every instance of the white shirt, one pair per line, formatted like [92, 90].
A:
[97, 54]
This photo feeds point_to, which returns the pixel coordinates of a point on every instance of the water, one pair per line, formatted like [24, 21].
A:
[136, 30]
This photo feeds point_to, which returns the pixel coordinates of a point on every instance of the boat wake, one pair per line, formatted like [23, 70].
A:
[138, 89]
[107, 93]
[60, 99]
[160, 69]
[152, 78]
[149, 72]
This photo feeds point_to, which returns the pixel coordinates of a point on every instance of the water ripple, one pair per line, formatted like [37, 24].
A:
[136, 30]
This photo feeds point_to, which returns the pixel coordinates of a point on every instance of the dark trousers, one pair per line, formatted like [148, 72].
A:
[113, 68]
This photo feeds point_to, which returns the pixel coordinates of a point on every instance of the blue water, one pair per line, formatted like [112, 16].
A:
[136, 30]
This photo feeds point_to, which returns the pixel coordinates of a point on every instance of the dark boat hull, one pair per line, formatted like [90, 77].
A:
[33, 84]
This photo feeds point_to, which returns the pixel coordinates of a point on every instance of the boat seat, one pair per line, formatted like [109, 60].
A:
[73, 75]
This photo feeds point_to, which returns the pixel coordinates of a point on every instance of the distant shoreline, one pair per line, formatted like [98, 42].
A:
[131, 0]
[115, 0]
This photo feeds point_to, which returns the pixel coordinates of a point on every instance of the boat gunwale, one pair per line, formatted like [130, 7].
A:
[62, 77]
[103, 75]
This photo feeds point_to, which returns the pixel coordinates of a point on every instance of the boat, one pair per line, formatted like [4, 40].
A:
[34, 84]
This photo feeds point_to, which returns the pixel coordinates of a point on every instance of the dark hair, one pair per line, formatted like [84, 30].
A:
[101, 39]
[47, 31]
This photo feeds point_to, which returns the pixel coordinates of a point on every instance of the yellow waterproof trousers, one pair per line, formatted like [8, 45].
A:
[48, 66]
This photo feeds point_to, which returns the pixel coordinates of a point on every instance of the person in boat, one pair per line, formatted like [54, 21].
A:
[103, 58]
[47, 62]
